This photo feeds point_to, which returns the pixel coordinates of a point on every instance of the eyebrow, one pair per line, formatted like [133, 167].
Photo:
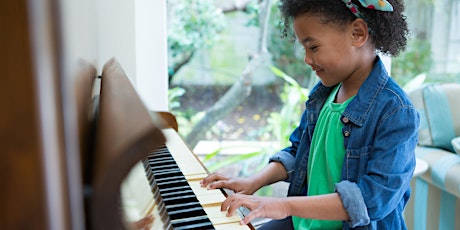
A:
[307, 39]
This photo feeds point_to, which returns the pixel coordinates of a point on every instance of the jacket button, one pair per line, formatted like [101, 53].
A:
[346, 133]
[345, 120]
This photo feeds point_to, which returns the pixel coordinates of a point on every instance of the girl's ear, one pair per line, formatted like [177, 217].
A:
[360, 32]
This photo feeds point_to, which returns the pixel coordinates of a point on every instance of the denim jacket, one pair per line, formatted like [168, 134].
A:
[380, 136]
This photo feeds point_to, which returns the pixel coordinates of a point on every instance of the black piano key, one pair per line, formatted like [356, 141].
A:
[175, 207]
[164, 174]
[198, 226]
[159, 154]
[166, 190]
[164, 215]
[162, 161]
[186, 211]
[151, 176]
[168, 174]
[199, 222]
[177, 198]
[159, 168]
[167, 184]
[176, 193]
[171, 178]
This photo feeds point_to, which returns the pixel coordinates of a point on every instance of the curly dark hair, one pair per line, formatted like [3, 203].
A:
[388, 30]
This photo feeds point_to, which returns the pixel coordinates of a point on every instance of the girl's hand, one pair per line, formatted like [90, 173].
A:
[144, 223]
[238, 185]
[268, 207]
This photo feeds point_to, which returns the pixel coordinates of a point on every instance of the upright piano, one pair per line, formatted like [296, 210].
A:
[69, 148]
[142, 167]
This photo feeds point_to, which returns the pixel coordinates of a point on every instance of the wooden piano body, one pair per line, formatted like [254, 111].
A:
[67, 147]
[127, 175]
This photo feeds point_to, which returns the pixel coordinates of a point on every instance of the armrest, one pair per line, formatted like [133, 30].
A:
[456, 145]
[443, 168]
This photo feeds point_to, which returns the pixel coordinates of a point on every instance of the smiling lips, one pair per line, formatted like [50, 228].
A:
[316, 69]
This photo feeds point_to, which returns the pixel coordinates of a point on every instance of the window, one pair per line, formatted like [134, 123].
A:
[213, 46]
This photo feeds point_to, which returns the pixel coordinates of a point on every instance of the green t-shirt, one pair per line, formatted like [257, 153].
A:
[326, 159]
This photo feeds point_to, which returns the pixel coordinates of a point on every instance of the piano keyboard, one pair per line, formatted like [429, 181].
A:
[178, 201]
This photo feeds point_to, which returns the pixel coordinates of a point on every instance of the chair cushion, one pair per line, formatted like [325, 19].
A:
[456, 145]
[439, 108]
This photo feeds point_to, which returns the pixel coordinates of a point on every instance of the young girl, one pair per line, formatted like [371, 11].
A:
[352, 156]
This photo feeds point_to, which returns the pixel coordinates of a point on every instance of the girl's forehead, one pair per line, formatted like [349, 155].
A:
[306, 22]
[311, 28]
[306, 16]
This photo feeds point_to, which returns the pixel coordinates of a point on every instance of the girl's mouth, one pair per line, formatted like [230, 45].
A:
[317, 70]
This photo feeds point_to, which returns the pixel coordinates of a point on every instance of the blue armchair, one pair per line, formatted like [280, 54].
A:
[435, 201]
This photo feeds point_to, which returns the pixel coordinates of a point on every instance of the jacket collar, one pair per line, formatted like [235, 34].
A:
[358, 109]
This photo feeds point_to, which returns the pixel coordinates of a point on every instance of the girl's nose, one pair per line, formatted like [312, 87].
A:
[308, 59]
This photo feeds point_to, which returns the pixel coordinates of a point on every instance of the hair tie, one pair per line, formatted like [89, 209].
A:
[381, 5]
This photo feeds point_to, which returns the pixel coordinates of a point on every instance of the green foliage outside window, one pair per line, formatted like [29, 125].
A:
[414, 61]
[287, 54]
[196, 24]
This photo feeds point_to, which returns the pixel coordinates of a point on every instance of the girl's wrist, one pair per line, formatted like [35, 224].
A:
[255, 183]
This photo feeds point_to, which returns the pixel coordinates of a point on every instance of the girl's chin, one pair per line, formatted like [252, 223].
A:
[325, 80]
[328, 83]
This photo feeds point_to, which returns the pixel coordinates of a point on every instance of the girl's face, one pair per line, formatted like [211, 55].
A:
[328, 48]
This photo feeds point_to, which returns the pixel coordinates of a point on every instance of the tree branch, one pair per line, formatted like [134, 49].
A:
[239, 91]
[186, 59]
[264, 22]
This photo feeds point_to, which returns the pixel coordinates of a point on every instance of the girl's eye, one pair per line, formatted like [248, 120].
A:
[313, 48]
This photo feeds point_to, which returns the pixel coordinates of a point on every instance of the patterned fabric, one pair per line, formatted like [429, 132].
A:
[439, 108]
[435, 202]
[381, 5]
[444, 169]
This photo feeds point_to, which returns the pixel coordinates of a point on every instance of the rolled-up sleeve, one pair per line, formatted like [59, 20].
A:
[287, 160]
[353, 202]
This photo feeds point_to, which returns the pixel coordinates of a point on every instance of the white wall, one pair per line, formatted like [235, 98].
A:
[115, 33]
[134, 32]
[151, 48]
[386, 62]
[78, 40]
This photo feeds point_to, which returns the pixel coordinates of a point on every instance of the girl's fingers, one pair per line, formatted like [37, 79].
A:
[144, 222]
[218, 184]
[235, 201]
[258, 206]
[225, 206]
[252, 215]
[211, 179]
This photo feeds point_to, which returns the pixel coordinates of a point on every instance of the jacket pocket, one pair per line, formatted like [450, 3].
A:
[356, 163]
